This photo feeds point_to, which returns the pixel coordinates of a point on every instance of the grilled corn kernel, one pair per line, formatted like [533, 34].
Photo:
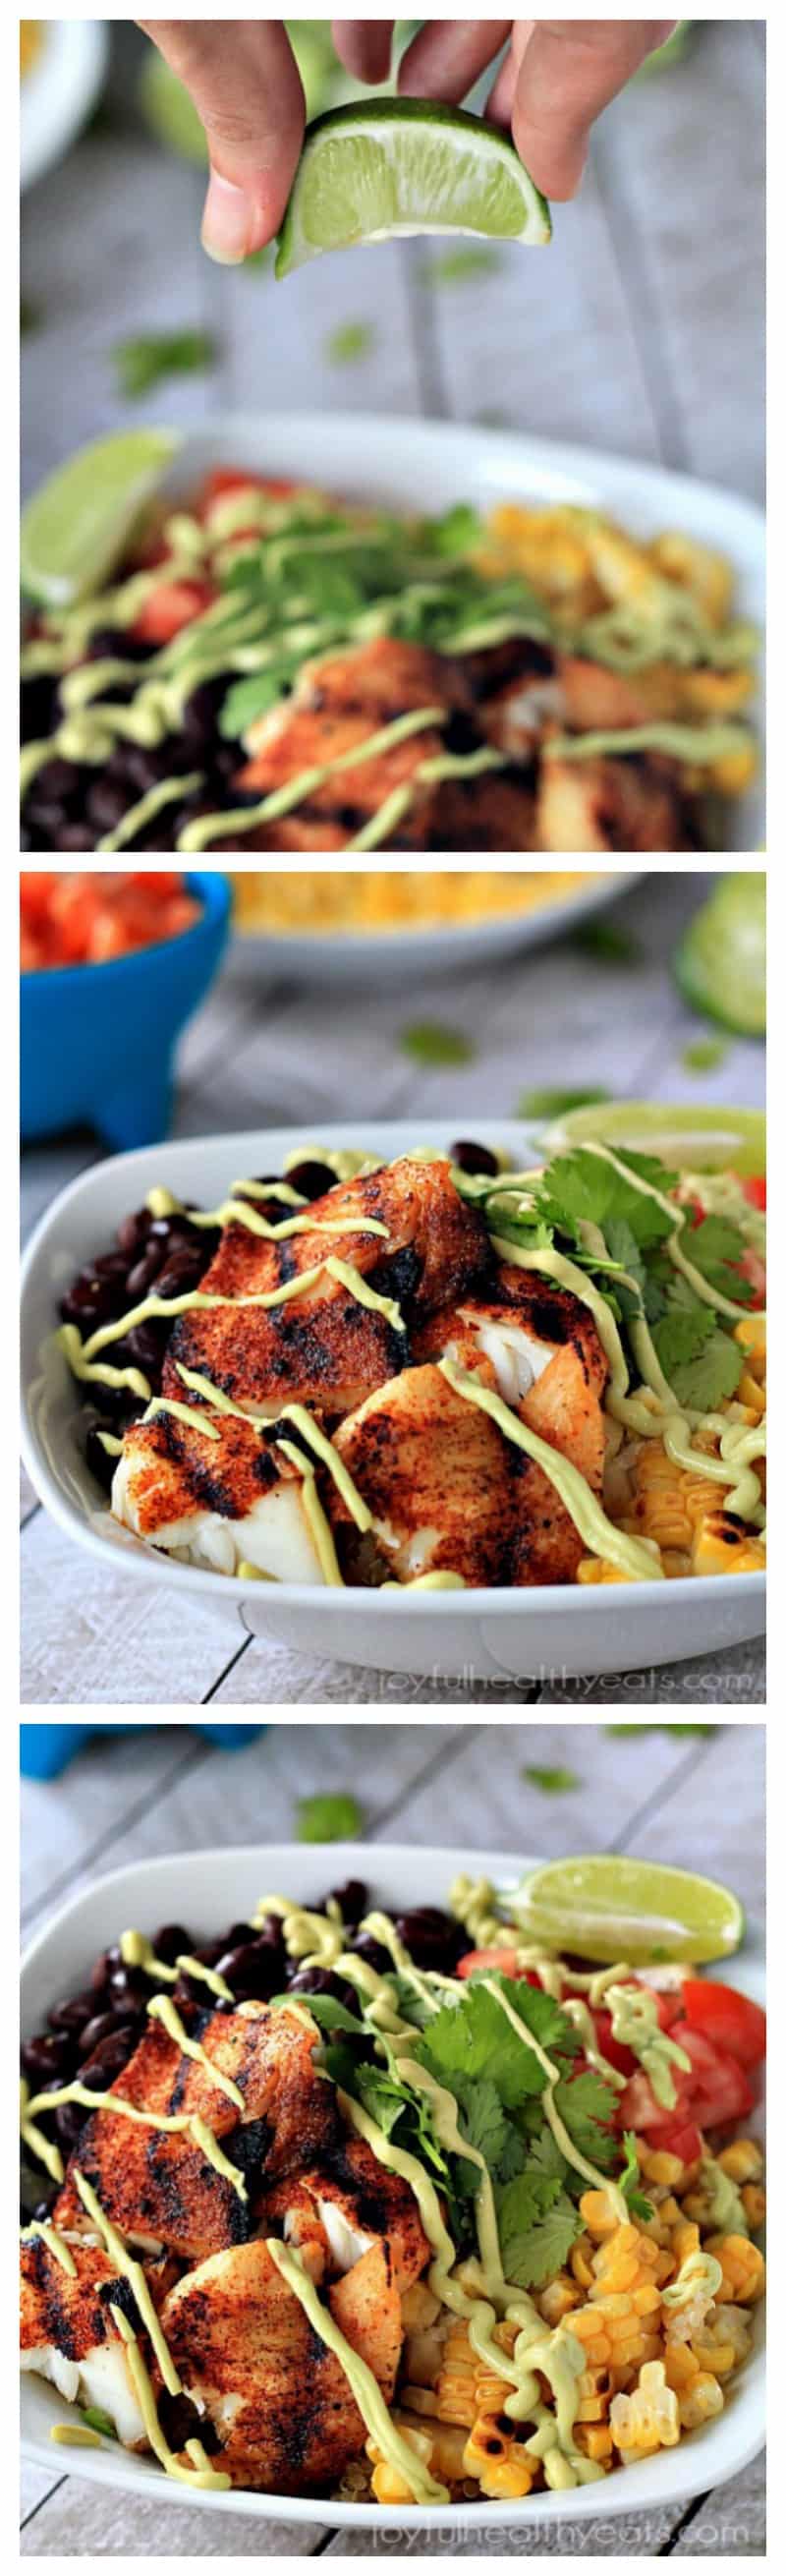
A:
[558, 2298]
[754, 2202]
[743, 2160]
[701, 2401]
[742, 2268]
[598, 2213]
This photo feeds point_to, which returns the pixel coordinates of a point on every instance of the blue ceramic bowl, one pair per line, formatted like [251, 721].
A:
[45, 1750]
[97, 1042]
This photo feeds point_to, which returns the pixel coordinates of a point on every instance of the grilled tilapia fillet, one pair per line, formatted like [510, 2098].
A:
[278, 2398]
[157, 2185]
[625, 803]
[340, 2209]
[323, 1348]
[67, 2333]
[219, 1501]
[446, 1487]
[517, 691]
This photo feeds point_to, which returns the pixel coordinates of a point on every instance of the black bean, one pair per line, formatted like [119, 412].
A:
[367, 1948]
[99, 2071]
[75, 836]
[101, 2025]
[145, 1270]
[170, 1940]
[133, 1231]
[102, 1966]
[49, 2055]
[351, 1899]
[321, 1981]
[145, 1346]
[37, 708]
[473, 1158]
[210, 1951]
[107, 803]
[251, 1970]
[46, 816]
[433, 1939]
[200, 715]
[58, 778]
[72, 2014]
[128, 1985]
[181, 1271]
[311, 1178]
[69, 2122]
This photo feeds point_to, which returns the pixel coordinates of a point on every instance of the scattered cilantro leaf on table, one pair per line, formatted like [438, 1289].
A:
[607, 941]
[431, 1044]
[551, 1104]
[350, 342]
[553, 1783]
[331, 1816]
[704, 1055]
[143, 362]
[456, 267]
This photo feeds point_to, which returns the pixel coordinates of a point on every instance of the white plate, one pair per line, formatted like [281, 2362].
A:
[430, 464]
[383, 957]
[59, 91]
[545, 1633]
[191, 1887]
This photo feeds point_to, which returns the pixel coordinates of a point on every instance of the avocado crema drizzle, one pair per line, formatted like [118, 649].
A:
[654, 1413]
[234, 635]
[473, 2289]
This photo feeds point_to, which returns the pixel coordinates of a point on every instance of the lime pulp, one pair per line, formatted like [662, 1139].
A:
[76, 525]
[372, 170]
[607, 1907]
[686, 1138]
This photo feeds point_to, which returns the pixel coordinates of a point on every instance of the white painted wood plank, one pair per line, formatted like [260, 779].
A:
[75, 1620]
[481, 1796]
[635, 2535]
[79, 1821]
[691, 249]
[82, 2521]
[714, 1807]
[545, 343]
[730, 2523]
[735, 1678]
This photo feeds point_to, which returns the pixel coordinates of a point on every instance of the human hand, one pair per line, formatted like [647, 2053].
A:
[557, 75]
[242, 76]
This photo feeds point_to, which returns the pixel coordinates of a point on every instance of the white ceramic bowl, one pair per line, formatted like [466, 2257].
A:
[546, 1633]
[395, 957]
[430, 464]
[191, 1887]
[59, 91]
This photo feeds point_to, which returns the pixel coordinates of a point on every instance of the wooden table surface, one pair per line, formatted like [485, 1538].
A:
[270, 1055]
[696, 1800]
[643, 334]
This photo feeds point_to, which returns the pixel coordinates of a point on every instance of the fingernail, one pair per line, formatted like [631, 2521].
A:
[227, 222]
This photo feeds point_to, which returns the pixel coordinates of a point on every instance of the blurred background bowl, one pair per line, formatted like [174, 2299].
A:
[97, 1042]
[62, 80]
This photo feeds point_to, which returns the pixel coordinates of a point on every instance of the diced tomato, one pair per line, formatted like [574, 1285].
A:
[753, 1268]
[712, 2092]
[678, 2138]
[755, 1189]
[476, 1963]
[35, 893]
[730, 2020]
[614, 2049]
[171, 606]
[225, 479]
[88, 919]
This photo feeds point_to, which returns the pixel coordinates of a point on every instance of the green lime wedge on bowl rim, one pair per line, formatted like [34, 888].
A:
[608, 1907]
[721, 963]
[374, 170]
[76, 525]
[687, 1138]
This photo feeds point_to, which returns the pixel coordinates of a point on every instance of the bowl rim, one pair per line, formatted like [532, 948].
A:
[552, 1601]
[210, 885]
[327, 1862]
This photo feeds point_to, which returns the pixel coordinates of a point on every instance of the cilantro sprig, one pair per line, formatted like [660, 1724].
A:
[694, 1344]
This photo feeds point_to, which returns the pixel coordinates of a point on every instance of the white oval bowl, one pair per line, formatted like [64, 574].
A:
[386, 958]
[547, 1633]
[192, 1887]
[428, 465]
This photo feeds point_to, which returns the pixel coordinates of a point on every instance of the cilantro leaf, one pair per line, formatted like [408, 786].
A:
[553, 1783]
[537, 2227]
[484, 2121]
[702, 1363]
[583, 1184]
[142, 363]
[332, 1816]
[328, 2012]
[704, 1054]
[639, 2207]
[349, 342]
[474, 2039]
[587, 2107]
[455, 267]
[715, 1247]
[431, 1044]
[608, 941]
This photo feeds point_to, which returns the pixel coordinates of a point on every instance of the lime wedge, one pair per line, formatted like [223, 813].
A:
[688, 1139]
[373, 170]
[721, 964]
[75, 527]
[608, 1908]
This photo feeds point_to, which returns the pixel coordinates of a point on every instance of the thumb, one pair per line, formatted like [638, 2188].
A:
[243, 79]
